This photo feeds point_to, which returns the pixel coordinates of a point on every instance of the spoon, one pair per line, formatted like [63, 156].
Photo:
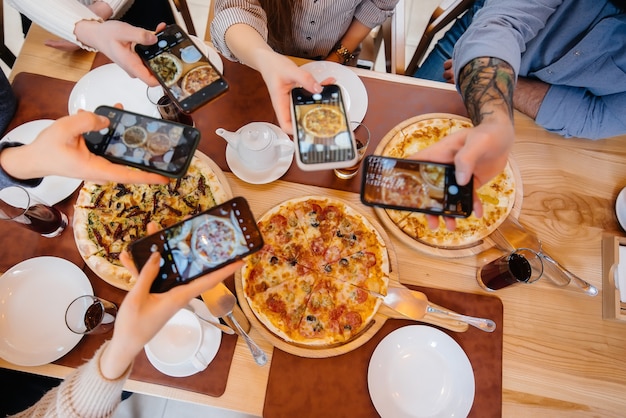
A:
[415, 305]
[221, 302]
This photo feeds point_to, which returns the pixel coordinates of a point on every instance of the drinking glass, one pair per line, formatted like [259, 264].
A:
[522, 265]
[89, 314]
[362, 136]
[166, 107]
[19, 205]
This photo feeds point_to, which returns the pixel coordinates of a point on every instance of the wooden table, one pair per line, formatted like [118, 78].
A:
[560, 357]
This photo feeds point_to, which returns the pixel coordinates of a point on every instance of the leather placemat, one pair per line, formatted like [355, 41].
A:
[337, 386]
[248, 101]
[211, 381]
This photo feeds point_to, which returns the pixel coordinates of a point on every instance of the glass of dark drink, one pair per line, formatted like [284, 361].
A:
[520, 266]
[19, 205]
[166, 107]
[90, 314]
[362, 137]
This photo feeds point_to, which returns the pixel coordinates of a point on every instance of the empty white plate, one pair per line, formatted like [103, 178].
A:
[35, 294]
[419, 371]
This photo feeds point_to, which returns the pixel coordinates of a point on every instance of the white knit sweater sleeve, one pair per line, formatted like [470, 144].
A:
[83, 393]
[60, 16]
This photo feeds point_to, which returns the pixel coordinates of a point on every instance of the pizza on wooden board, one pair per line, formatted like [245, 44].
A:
[311, 282]
[497, 196]
[107, 217]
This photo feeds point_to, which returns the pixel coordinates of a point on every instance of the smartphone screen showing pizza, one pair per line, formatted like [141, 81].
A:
[182, 69]
[322, 130]
[200, 244]
[144, 142]
[413, 185]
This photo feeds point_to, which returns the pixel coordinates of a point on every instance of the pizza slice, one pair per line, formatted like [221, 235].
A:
[365, 269]
[285, 237]
[336, 312]
[264, 269]
[283, 305]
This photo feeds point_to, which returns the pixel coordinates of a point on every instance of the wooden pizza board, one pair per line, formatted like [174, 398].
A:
[447, 252]
[379, 319]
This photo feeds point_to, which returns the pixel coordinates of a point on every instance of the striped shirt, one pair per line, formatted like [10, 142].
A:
[317, 24]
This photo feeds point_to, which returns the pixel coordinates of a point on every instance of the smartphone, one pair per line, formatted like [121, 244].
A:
[186, 74]
[321, 129]
[200, 244]
[412, 185]
[148, 143]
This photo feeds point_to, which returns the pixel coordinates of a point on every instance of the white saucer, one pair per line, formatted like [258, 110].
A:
[620, 208]
[52, 189]
[212, 338]
[352, 88]
[241, 170]
[418, 371]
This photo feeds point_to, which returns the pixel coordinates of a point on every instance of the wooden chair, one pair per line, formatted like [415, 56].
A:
[445, 13]
[391, 34]
[181, 9]
[5, 53]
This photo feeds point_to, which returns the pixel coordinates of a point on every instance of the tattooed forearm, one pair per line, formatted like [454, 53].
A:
[487, 86]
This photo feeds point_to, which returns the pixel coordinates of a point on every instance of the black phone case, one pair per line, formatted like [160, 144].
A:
[412, 185]
[184, 141]
[172, 40]
[183, 263]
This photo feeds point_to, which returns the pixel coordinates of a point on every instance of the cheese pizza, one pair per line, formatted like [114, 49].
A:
[107, 217]
[312, 282]
[497, 196]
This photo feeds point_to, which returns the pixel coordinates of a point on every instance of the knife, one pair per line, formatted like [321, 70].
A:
[209, 296]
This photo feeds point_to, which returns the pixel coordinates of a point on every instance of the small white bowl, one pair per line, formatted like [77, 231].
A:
[620, 208]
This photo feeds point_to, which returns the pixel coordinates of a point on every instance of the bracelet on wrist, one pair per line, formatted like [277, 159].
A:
[343, 53]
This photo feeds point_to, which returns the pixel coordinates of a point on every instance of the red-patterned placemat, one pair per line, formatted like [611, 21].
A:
[337, 386]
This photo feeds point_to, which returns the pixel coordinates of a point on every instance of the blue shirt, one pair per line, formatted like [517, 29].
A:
[576, 46]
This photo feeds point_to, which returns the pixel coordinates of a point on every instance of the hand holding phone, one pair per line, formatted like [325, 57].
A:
[205, 242]
[322, 130]
[412, 185]
[185, 73]
[144, 142]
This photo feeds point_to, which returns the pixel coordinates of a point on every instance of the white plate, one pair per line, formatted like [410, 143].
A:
[419, 371]
[52, 189]
[35, 294]
[210, 52]
[243, 171]
[110, 84]
[620, 208]
[107, 85]
[212, 338]
[352, 88]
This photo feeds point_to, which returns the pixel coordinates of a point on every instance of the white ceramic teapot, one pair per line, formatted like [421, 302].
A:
[257, 145]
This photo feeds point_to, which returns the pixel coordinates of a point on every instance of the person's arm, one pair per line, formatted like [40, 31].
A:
[280, 73]
[350, 40]
[94, 389]
[528, 95]
[486, 85]
[60, 150]
[74, 22]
